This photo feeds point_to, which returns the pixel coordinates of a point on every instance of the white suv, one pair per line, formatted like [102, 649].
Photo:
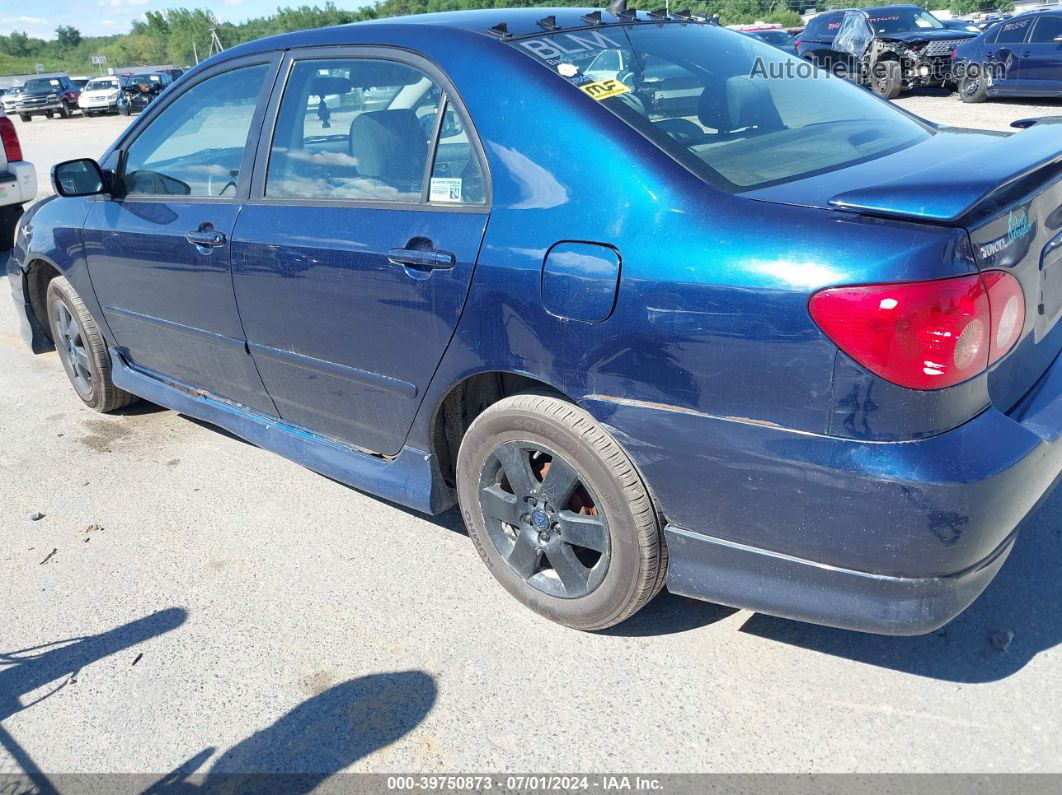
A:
[18, 182]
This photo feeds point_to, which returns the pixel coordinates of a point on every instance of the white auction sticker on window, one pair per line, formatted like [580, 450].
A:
[445, 189]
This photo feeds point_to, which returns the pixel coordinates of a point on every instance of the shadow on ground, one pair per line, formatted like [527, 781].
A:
[1025, 599]
[319, 737]
[28, 671]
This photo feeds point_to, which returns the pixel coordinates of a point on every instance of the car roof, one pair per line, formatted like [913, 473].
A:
[454, 24]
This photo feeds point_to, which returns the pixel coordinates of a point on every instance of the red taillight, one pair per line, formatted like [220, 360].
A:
[1007, 304]
[796, 43]
[925, 335]
[12, 148]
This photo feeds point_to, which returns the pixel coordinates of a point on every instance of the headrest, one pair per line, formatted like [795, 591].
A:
[389, 145]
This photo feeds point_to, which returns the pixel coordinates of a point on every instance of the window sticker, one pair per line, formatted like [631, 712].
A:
[603, 89]
[445, 189]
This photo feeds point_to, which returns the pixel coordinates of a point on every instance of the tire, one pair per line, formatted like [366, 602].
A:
[886, 79]
[973, 89]
[124, 110]
[82, 349]
[64, 111]
[555, 452]
[25, 117]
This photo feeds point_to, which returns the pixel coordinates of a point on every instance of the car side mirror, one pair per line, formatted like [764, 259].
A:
[82, 177]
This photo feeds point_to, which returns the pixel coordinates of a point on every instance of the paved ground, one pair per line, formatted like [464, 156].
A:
[191, 603]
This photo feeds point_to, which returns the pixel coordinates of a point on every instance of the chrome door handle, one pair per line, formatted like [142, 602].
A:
[421, 258]
[206, 239]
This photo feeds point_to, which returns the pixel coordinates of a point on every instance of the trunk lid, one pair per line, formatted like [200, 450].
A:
[1004, 190]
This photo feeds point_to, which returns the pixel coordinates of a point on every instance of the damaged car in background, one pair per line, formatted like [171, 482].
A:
[889, 49]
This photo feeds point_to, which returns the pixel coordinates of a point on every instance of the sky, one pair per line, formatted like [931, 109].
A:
[40, 18]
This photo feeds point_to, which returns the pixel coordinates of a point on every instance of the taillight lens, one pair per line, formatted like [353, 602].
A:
[925, 335]
[12, 148]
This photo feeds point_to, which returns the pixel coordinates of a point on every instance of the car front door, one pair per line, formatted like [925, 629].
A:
[158, 245]
[1040, 63]
[354, 254]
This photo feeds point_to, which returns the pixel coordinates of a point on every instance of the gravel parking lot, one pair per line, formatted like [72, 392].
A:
[188, 603]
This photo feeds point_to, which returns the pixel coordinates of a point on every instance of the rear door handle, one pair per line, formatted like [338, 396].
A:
[421, 258]
[206, 238]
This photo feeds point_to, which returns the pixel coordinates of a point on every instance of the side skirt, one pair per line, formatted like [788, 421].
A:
[411, 479]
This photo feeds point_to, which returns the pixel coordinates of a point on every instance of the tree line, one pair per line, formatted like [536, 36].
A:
[174, 36]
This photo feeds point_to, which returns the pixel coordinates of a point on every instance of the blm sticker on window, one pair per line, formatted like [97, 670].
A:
[603, 89]
[445, 189]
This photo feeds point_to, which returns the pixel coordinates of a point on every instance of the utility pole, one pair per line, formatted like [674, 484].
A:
[215, 42]
[195, 52]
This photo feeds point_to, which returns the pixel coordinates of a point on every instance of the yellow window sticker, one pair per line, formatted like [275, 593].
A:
[603, 89]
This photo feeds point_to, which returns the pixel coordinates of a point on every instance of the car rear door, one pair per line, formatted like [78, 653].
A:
[158, 246]
[1040, 62]
[354, 254]
[1002, 56]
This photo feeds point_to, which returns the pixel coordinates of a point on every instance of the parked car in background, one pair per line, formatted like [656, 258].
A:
[10, 99]
[47, 96]
[561, 310]
[964, 25]
[101, 95]
[80, 81]
[1017, 57]
[890, 49]
[772, 34]
[174, 73]
[140, 90]
[18, 183]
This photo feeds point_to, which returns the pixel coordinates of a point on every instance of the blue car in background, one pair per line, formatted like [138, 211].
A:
[1017, 57]
[650, 309]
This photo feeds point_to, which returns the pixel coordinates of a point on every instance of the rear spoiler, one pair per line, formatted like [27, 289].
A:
[952, 189]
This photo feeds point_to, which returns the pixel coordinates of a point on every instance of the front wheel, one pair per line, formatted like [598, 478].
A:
[887, 79]
[558, 512]
[82, 349]
[64, 111]
[25, 117]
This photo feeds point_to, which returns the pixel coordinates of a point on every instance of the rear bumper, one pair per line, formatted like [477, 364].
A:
[18, 185]
[895, 538]
[755, 579]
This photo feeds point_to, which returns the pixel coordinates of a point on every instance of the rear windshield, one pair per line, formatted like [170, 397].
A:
[729, 107]
[901, 20]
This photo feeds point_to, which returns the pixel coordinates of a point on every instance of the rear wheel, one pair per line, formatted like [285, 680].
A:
[558, 512]
[25, 117]
[973, 88]
[82, 349]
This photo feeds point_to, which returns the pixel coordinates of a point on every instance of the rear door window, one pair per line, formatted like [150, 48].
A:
[1013, 32]
[1047, 29]
[367, 129]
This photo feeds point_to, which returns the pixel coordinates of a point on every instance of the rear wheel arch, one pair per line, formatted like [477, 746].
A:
[466, 400]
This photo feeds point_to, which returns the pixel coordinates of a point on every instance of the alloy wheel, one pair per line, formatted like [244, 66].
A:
[544, 519]
[71, 347]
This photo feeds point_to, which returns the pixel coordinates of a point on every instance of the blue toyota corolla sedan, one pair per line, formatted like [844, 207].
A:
[651, 308]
